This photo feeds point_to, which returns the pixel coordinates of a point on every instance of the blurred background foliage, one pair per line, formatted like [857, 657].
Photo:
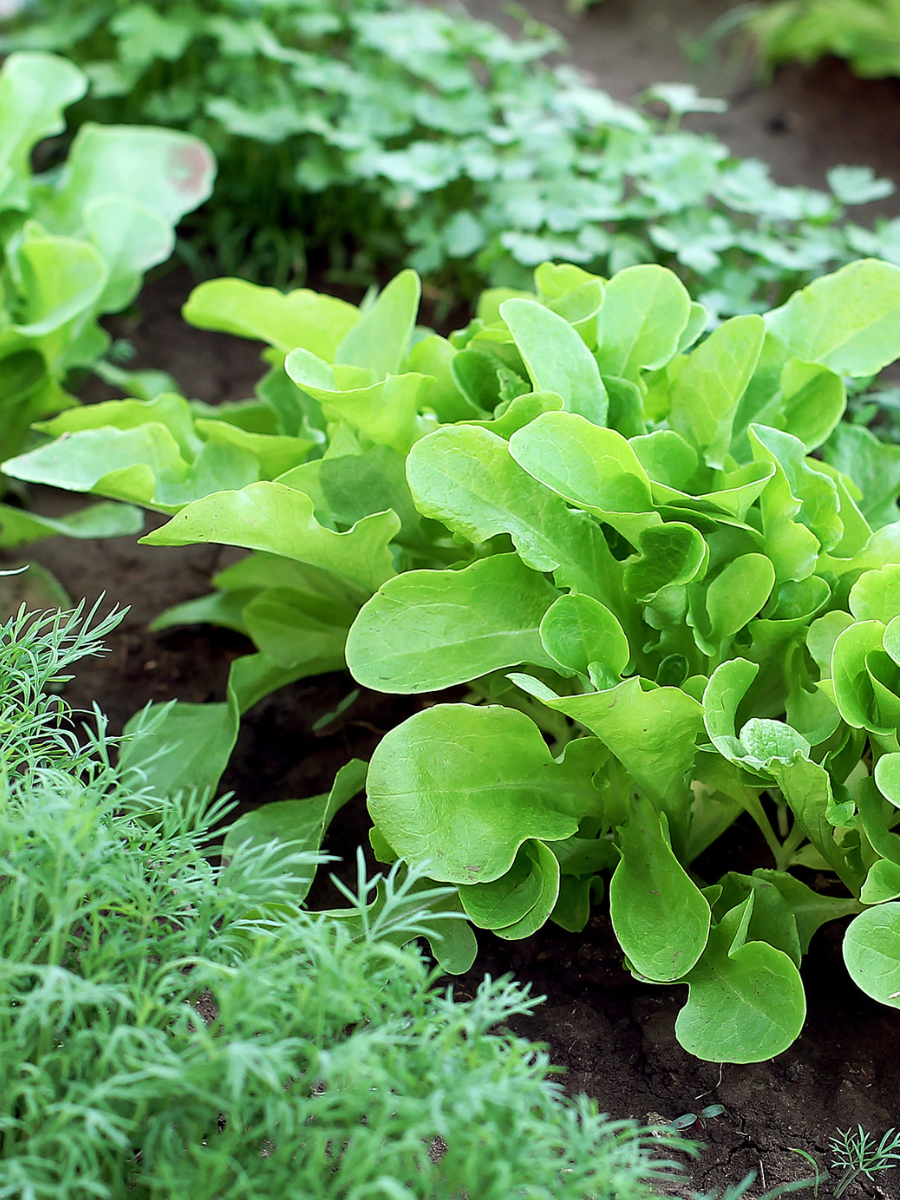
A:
[361, 136]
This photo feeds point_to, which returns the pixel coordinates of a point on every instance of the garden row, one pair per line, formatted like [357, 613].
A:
[623, 506]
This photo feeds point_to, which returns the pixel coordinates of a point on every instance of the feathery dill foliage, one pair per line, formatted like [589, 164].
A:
[327, 1064]
[35, 651]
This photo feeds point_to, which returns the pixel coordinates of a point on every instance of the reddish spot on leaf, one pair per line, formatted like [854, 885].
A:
[189, 167]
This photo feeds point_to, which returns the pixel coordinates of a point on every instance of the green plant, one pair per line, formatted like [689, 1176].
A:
[687, 1120]
[581, 6]
[75, 242]
[866, 32]
[381, 132]
[172, 1028]
[669, 609]
[819, 1177]
[735, 1191]
[856, 1154]
[35, 651]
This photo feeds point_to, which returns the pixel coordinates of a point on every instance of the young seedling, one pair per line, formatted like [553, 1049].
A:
[820, 1176]
[706, 1114]
[324, 721]
[855, 1155]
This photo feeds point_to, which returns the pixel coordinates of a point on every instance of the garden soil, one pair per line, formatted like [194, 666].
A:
[614, 1036]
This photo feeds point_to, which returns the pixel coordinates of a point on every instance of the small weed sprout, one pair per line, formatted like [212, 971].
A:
[820, 1177]
[706, 1114]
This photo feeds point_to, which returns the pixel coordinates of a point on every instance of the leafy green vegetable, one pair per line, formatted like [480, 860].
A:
[870, 952]
[867, 33]
[462, 841]
[382, 132]
[647, 881]
[670, 612]
[18, 527]
[449, 624]
[75, 243]
[746, 998]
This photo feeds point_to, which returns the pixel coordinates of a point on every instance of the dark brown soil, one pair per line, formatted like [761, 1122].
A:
[614, 1035]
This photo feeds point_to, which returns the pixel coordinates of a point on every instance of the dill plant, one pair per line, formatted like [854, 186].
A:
[857, 1154]
[170, 1027]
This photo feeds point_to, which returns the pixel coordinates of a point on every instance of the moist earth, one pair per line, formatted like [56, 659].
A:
[613, 1035]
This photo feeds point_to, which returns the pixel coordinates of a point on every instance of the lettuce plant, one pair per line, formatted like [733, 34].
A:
[865, 32]
[170, 1028]
[75, 243]
[665, 568]
[381, 132]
